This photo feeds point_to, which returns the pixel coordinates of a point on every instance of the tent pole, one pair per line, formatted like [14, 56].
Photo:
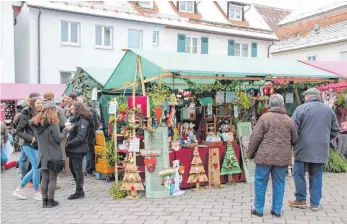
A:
[141, 76]
[134, 105]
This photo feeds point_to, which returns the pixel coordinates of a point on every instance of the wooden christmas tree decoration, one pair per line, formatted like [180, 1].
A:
[197, 172]
[214, 168]
[230, 163]
[132, 180]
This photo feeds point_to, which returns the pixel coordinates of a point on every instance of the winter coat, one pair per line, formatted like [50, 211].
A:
[77, 141]
[49, 138]
[4, 133]
[272, 139]
[25, 129]
[317, 125]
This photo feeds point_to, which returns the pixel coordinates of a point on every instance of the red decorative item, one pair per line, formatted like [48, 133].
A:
[272, 91]
[266, 91]
[215, 165]
[162, 182]
[140, 102]
[132, 188]
[150, 164]
[214, 154]
[198, 181]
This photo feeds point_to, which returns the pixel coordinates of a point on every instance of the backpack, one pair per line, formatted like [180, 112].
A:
[92, 133]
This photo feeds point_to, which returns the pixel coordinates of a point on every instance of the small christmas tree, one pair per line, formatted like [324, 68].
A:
[197, 172]
[132, 180]
[230, 163]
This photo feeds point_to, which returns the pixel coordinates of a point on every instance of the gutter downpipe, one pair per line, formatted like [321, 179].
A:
[39, 47]
[268, 49]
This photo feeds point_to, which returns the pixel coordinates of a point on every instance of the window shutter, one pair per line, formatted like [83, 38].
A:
[181, 42]
[204, 45]
[230, 47]
[254, 50]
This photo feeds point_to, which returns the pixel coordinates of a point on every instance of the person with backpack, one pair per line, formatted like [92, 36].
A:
[77, 147]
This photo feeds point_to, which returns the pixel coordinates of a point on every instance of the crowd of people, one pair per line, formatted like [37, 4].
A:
[309, 131]
[51, 133]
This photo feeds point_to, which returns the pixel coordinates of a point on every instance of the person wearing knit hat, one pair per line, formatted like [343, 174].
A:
[317, 125]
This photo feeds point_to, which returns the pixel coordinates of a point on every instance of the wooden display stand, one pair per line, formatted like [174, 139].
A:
[214, 169]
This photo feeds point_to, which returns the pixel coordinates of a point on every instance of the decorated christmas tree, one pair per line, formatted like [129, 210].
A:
[230, 163]
[132, 180]
[197, 172]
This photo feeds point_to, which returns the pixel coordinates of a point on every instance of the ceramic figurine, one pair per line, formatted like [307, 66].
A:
[176, 180]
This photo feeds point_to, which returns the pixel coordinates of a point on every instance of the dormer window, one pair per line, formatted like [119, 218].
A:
[145, 4]
[186, 6]
[235, 12]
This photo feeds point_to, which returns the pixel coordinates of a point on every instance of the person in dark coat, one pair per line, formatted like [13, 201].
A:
[271, 145]
[317, 125]
[46, 126]
[77, 144]
[26, 132]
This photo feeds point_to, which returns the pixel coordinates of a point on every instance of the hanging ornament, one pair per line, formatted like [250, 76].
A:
[272, 91]
[266, 91]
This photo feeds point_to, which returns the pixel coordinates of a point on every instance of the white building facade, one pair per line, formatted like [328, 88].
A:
[52, 39]
[316, 31]
[7, 41]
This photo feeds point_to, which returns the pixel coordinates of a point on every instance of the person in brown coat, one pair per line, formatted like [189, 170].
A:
[271, 146]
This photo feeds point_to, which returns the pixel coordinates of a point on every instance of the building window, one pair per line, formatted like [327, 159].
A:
[235, 12]
[343, 56]
[186, 6]
[241, 50]
[65, 77]
[103, 37]
[311, 58]
[192, 45]
[135, 39]
[70, 33]
[155, 40]
[145, 4]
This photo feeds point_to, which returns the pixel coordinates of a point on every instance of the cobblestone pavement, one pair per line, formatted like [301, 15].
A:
[232, 204]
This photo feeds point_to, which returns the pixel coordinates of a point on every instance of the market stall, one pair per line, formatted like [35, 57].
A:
[206, 104]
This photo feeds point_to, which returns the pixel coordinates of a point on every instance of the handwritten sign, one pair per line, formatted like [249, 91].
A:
[112, 108]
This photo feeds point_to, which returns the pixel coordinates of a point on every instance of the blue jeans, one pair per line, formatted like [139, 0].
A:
[278, 175]
[34, 173]
[315, 171]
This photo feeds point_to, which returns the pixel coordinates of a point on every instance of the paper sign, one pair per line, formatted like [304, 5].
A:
[236, 111]
[220, 97]
[134, 145]
[230, 97]
[112, 108]
[289, 98]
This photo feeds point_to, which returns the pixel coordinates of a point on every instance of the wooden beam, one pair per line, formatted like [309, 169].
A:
[141, 77]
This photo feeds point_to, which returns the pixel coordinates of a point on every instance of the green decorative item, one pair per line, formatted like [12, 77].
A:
[341, 99]
[230, 163]
[83, 84]
[336, 162]
[110, 154]
[159, 94]
[116, 193]
[122, 103]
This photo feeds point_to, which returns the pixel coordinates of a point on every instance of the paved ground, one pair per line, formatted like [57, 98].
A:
[232, 204]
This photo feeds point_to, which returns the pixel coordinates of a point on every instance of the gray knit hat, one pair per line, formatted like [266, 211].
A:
[312, 92]
[49, 105]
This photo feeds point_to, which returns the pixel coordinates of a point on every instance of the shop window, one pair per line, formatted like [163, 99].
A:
[155, 40]
[311, 57]
[145, 4]
[192, 45]
[241, 49]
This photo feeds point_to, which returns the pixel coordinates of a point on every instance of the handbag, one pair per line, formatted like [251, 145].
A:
[56, 165]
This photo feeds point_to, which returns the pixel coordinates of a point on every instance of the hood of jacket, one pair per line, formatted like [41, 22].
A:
[280, 110]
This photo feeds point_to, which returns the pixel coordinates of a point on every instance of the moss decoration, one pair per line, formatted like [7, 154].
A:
[115, 191]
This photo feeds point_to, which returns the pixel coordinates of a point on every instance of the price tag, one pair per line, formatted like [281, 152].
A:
[134, 145]
[112, 108]
[289, 98]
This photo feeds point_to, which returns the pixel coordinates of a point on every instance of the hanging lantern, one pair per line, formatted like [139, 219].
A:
[272, 91]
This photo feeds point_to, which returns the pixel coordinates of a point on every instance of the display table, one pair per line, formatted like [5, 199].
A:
[185, 156]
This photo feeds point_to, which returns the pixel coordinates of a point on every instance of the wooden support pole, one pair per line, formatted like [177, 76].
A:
[115, 146]
[141, 76]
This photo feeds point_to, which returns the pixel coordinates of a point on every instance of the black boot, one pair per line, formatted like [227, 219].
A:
[76, 195]
[44, 203]
[51, 203]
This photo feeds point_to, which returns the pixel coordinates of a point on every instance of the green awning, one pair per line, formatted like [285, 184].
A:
[156, 63]
[101, 75]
